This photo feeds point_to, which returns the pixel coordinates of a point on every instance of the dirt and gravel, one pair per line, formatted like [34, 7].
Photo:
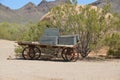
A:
[16, 69]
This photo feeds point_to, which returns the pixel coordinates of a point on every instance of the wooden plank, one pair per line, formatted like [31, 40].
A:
[27, 43]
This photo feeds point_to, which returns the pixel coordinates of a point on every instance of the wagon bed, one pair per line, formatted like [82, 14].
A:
[27, 43]
[33, 50]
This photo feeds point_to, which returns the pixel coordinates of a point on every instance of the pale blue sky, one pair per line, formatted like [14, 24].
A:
[16, 4]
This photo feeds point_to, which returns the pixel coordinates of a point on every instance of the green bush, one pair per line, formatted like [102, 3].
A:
[11, 31]
[114, 52]
[113, 42]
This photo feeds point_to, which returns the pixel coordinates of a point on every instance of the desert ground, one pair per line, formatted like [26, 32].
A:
[16, 69]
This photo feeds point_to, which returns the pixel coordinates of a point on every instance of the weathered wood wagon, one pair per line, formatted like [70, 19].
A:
[52, 38]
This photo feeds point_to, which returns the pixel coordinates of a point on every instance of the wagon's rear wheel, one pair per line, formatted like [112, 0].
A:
[28, 53]
[70, 54]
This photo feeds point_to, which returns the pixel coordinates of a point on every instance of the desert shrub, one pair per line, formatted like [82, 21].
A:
[11, 31]
[113, 41]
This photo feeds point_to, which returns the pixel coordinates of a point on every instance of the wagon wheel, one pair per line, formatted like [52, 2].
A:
[71, 55]
[37, 53]
[28, 53]
[64, 51]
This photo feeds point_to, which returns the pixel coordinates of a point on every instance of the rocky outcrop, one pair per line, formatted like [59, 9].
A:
[115, 4]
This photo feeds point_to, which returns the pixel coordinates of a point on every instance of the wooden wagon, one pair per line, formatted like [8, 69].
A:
[51, 38]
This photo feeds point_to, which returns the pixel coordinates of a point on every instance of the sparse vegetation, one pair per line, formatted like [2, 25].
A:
[11, 31]
[113, 41]
[91, 23]
[33, 32]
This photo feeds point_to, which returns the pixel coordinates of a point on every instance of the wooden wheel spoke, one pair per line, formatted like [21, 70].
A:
[63, 54]
[31, 53]
[37, 53]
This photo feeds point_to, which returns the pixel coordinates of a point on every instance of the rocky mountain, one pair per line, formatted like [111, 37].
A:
[6, 14]
[29, 12]
[33, 13]
[115, 4]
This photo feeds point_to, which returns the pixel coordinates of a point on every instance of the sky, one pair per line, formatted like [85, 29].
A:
[16, 4]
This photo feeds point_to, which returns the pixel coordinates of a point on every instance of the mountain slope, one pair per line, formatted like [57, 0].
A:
[8, 15]
[115, 4]
[29, 12]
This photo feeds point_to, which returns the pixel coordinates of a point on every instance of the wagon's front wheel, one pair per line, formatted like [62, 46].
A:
[31, 53]
[28, 53]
